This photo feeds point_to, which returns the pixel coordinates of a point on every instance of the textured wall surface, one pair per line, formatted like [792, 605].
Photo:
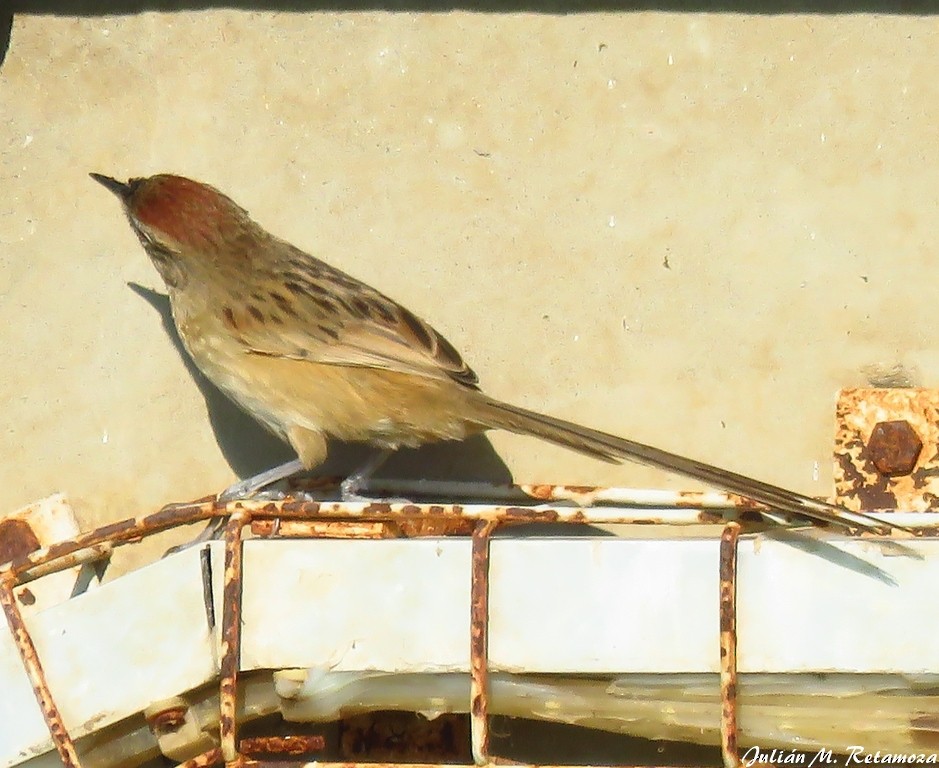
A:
[689, 228]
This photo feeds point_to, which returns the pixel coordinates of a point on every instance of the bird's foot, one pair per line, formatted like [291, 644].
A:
[211, 532]
[350, 490]
[243, 489]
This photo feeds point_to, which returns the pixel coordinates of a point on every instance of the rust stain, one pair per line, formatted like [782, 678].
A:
[26, 597]
[37, 678]
[546, 492]
[322, 529]
[167, 720]
[709, 517]
[294, 745]
[17, 540]
[444, 526]
[525, 513]
[695, 499]
[169, 514]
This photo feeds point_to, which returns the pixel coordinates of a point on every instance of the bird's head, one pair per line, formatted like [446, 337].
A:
[183, 224]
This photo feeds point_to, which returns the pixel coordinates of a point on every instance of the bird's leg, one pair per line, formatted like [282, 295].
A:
[349, 490]
[240, 490]
[252, 485]
[351, 486]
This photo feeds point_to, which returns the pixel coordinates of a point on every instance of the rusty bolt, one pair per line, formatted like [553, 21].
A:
[26, 596]
[167, 720]
[894, 447]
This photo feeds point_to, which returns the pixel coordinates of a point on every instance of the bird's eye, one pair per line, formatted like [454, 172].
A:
[155, 249]
[158, 250]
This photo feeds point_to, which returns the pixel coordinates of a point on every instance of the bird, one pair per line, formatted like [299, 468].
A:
[316, 355]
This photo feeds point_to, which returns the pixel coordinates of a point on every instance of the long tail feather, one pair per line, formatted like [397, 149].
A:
[614, 449]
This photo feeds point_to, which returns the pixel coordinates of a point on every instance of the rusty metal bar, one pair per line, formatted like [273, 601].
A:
[582, 495]
[231, 637]
[91, 554]
[728, 644]
[402, 527]
[397, 511]
[293, 745]
[321, 529]
[37, 678]
[479, 642]
[29, 567]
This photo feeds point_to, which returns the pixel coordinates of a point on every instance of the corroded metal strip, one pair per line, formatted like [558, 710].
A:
[322, 529]
[728, 640]
[231, 636]
[582, 495]
[291, 509]
[479, 642]
[402, 527]
[293, 745]
[91, 554]
[24, 644]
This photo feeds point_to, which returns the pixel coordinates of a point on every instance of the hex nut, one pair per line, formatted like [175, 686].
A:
[894, 448]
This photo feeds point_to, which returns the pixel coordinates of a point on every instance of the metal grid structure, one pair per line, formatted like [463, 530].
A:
[313, 519]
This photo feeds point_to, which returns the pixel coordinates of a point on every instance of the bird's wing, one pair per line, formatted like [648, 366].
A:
[311, 311]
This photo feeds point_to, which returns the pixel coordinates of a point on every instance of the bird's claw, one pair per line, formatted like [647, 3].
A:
[234, 492]
[210, 532]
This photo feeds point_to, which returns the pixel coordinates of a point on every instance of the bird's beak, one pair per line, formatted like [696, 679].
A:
[119, 188]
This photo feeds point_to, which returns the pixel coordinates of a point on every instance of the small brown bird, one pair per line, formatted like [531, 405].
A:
[314, 354]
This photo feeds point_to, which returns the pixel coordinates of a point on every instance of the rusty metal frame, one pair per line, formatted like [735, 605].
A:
[728, 632]
[313, 519]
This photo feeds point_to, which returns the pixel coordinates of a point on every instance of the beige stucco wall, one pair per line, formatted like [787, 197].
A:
[687, 228]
